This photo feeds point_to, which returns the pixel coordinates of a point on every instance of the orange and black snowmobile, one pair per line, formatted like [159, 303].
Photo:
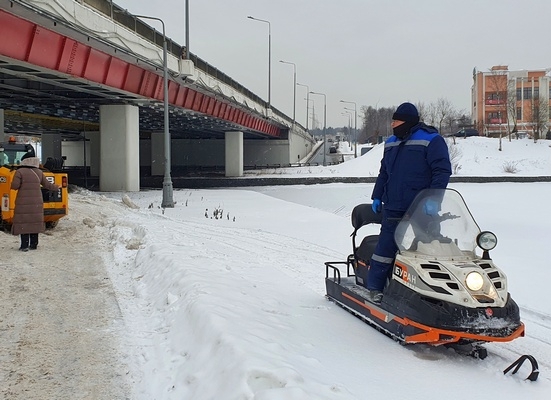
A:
[440, 292]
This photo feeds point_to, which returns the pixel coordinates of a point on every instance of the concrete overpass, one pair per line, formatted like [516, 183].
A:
[87, 77]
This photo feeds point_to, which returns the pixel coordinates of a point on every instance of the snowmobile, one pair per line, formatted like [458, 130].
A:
[440, 292]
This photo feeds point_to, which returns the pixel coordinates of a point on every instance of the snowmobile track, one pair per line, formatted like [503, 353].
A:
[475, 350]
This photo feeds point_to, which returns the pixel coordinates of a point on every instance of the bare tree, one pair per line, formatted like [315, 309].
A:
[370, 124]
[443, 111]
[451, 121]
[457, 120]
[376, 123]
[430, 114]
[422, 109]
[496, 98]
[512, 108]
[538, 115]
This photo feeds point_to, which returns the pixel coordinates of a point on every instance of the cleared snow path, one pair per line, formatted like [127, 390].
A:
[59, 319]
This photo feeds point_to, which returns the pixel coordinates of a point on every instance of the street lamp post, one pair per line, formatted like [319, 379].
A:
[313, 114]
[168, 199]
[269, 57]
[294, 86]
[355, 127]
[348, 114]
[355, 131]
[307, 101]
[187, 30]
[324, 127]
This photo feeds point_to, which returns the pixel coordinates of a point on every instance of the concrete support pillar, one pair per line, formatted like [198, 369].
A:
[93, 140]
[51, 146]
[234, 154]
[119, 146]
[157, 153]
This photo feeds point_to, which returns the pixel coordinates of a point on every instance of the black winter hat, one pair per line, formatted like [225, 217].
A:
[406, 112]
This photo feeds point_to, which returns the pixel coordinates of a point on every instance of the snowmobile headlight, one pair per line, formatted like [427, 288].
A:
[486, 240]
[474, 281]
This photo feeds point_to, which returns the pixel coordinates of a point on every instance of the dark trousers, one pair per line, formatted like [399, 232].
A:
[381, 262]
[29, 240]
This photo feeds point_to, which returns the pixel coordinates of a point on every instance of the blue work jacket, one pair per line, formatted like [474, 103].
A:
[418, 162]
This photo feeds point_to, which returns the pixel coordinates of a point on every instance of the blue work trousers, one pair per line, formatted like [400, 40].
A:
[381, 262]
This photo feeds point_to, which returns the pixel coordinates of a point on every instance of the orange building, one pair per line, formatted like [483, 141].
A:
[506, 102]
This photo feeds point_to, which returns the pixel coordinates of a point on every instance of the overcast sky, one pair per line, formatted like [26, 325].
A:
[372, 52]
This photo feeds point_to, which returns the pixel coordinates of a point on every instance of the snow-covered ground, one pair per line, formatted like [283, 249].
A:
[222, 297]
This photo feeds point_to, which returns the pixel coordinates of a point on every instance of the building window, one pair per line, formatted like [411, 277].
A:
[494, 118]
[527, 93]
[536, 93]
[519, 94]
[519, 113]
[494, 98]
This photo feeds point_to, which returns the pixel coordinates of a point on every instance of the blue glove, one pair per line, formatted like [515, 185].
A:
[431, 207]
[376, 206]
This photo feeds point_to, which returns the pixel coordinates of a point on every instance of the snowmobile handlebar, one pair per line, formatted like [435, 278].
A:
[436, 218]
[446, 216]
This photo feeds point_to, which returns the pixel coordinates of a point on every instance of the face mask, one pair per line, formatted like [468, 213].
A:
[401, 131]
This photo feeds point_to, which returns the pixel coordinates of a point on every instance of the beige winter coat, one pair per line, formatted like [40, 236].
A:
[29, 206]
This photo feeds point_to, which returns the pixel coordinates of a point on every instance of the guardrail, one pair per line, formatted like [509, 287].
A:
[123, 17]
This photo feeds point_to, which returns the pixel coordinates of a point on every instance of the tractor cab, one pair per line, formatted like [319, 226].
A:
[11, 152]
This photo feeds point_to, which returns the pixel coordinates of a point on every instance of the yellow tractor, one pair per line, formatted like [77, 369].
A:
[55, 203]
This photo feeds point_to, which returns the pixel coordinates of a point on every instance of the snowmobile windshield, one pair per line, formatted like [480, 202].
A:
[438, 224]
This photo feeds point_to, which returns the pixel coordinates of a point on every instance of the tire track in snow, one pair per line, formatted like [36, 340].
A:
[266, 246]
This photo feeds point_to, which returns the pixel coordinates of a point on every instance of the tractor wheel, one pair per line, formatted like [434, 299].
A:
[51, 224]
[5, 226]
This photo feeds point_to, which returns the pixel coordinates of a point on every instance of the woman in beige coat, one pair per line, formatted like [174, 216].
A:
[28, 219]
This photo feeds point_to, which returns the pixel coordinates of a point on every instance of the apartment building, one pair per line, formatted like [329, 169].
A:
[506, 101]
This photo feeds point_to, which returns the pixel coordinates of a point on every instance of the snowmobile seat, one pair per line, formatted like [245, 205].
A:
[367, 248]
[362, 215]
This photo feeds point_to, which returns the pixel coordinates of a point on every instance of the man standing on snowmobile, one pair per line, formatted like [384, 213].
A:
[415, 158]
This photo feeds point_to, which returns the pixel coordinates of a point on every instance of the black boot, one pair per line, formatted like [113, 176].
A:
[24, 242]
[33, 241]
